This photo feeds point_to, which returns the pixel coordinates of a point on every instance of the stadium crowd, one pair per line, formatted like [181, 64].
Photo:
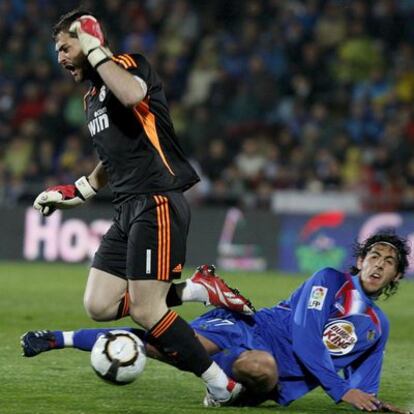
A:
[265, 95]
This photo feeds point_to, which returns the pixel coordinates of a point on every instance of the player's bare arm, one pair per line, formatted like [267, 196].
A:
[127, 88]
[98, 177]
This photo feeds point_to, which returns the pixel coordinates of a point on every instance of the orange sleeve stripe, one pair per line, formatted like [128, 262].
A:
[121, 62]
[131, 61]
[147, 120]
[164, 324]
[125, 60]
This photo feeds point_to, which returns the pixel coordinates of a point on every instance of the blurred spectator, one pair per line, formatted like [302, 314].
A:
[330, 28]
[31, 104]
[250, 162]
[216, 160]
[358, 54]
[17, 156]
[200, 80]
[265, 95]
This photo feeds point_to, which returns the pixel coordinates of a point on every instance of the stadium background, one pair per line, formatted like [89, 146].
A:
[297, 114]
[283, 107]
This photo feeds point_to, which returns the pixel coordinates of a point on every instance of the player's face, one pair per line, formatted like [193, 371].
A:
[71, 57]
[378, 268]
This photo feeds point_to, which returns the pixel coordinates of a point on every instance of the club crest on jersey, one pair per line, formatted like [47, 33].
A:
[102, 93]
[317, 297]
[339, 337]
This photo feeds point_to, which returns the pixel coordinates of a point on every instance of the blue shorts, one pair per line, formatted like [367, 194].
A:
[233, 333]
[266, 331]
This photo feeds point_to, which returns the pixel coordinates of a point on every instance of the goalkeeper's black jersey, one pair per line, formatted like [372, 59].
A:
[137, 146]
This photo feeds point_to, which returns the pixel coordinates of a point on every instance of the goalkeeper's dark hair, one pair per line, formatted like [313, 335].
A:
[400, 245]
[64, 22]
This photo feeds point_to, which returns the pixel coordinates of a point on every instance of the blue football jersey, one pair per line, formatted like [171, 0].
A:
[327, 326]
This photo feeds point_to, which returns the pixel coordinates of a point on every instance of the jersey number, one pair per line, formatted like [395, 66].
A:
[220, 322]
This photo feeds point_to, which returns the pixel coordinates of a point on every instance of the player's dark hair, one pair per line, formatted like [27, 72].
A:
[400, 245]
[64, 22]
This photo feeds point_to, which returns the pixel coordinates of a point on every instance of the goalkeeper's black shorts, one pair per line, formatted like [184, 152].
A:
[147, 239]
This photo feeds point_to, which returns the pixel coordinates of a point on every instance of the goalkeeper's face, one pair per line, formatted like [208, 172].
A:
[71, 57]
[378, 268]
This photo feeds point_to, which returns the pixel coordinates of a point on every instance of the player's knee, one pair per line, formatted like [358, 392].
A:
[96, 311]
[143, 315]
[257, 370]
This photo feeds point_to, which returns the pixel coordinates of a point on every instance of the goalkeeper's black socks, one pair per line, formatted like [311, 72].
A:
[175, 339]
[173, 299]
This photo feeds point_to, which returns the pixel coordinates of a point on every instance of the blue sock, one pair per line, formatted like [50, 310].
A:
[84, 339]
[59, 339]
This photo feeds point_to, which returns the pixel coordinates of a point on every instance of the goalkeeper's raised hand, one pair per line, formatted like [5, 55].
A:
[91, 38]
[64, 196]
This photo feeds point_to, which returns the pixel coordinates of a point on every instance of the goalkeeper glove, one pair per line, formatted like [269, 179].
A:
[64, 196]
[88, 30]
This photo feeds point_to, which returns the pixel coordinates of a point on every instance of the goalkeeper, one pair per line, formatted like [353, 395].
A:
[330, 324]
[144, 166]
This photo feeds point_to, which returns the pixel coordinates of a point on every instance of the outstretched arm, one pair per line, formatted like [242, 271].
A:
[310, 316]
[98, 178]
[71, 195]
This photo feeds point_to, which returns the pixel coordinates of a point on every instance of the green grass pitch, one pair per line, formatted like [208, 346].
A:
[49, 296]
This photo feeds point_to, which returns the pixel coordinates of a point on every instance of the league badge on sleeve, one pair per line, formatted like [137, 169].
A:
[317, 297]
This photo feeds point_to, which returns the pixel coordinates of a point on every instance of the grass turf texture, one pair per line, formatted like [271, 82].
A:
[49, 296]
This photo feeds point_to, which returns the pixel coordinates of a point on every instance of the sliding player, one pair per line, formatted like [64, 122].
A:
[329, 324]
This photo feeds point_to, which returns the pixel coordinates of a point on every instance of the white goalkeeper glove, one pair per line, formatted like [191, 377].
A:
[89, 32]
[64, 196]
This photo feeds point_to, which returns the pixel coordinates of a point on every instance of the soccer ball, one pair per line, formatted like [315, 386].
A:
[118, 357]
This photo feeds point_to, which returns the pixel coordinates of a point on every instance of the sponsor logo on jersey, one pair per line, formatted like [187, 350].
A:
[339, 337]
[317, 297]
[99, 122]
